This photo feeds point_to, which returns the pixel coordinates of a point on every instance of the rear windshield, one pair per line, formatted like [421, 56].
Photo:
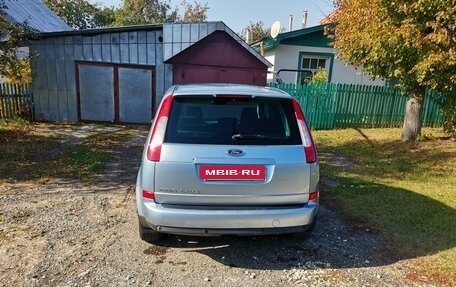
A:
[232, 120]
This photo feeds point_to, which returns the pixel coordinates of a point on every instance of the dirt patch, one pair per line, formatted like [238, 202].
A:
[337, 160]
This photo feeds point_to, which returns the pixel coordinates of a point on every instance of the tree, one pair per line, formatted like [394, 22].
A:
[104, 17]
[411, 43]
[195, 12]
[80, 14]
[17, 70]
[140, 12]
[14, 64]
[320, 76]
[257, 31]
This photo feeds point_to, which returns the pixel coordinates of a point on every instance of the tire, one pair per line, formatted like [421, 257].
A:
[306, 234]
[312, 225]
[149, 235]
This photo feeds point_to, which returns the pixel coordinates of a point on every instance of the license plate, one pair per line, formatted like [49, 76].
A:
[233, 172]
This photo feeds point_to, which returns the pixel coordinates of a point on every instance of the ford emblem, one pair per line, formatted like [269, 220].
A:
[235, 152]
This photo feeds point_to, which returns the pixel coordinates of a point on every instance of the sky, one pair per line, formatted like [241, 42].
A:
[237, 14]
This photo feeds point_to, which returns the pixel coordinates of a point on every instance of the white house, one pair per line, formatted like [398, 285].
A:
[297, 55]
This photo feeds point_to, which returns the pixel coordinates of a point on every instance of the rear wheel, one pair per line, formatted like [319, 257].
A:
[309, 229]
[149, 235]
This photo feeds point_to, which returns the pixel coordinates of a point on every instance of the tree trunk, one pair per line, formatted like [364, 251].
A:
[413, 119]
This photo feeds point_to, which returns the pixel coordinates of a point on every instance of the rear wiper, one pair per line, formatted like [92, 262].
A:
[247, 136]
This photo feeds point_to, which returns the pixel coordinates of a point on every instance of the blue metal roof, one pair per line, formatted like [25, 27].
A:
[33, 15]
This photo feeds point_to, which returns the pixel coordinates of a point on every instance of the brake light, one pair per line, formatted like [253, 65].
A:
[159, 129]
[148, 194]
[234, 96]
[314, 195]
[307, 140]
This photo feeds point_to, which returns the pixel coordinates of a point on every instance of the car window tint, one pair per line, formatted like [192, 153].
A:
[232, 120]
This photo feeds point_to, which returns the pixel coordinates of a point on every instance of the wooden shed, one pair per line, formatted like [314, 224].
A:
[120, 74]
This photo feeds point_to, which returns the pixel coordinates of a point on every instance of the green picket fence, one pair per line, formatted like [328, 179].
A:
[16, 101]
[331, 105]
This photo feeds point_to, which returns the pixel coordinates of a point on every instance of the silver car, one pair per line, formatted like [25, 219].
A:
[227, 159]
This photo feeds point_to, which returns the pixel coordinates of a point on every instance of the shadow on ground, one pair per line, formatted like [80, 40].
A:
[331, 244]
[338, 241]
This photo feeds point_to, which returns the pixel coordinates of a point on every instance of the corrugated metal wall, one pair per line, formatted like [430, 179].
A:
[55, 84]
[55, 80]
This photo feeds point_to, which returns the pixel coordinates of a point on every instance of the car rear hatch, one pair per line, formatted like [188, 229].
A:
[227, 150]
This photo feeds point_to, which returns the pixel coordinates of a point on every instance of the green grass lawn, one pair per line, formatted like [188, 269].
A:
[406, 191]
[35, 152]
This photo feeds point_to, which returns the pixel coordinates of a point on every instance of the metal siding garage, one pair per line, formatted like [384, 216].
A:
[107, 74]
[120, 74]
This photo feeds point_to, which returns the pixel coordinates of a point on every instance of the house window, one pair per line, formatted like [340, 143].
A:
[309, 66]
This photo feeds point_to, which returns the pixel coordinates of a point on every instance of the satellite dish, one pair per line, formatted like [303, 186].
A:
[275, 29]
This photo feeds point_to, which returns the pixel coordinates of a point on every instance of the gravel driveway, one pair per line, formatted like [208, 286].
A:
[65, 233]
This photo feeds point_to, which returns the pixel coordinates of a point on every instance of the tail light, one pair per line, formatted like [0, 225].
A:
[148, 194]
[314, 195]
[159, 129]
[307, 141]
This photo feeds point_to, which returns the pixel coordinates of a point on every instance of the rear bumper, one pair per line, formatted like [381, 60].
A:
[169, 219]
